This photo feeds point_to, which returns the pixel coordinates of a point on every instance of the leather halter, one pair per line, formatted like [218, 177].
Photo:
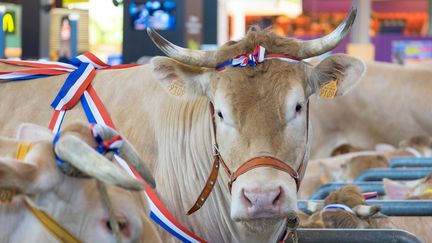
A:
[262, 161]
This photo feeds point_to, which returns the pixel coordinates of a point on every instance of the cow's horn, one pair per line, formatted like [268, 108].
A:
[313, 207]
[128, 153]
[75, 151]
[316, 47]
[366, 210]
[187, 56]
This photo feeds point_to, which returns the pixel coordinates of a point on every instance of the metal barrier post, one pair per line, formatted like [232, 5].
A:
[355, 236]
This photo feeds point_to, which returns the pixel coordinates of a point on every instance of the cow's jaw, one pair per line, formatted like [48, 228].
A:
[257, 198]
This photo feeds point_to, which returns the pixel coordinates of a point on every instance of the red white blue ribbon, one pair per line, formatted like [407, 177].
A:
[43, 69]
[370, 195]
[76, 83]
[252, 59]
[78, 87]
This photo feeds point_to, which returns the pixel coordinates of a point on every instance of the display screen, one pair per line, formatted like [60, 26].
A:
[159, 15]
[411, 51]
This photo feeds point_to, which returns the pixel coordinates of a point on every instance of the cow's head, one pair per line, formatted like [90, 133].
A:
[74, 202]
[343, 208]
[261, 110]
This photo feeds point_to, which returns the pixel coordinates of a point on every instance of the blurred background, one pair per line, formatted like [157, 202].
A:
[386, 30]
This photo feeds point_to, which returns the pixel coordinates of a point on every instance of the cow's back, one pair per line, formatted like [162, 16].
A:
[130, 95]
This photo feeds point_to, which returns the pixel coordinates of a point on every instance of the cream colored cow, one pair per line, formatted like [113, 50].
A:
[74, 203]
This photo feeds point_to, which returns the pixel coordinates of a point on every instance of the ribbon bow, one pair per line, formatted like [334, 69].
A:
[252, 59]
[104, 146]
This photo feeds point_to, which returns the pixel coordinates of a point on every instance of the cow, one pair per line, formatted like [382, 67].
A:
[409, 190]
[260, 110]
[326, 170]
[359, 215]
[418, 146]
[348, 166]
[355, 213]
[74, 202]
[390, 103]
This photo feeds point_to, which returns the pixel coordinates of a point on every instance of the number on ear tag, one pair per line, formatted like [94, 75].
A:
[6, 195]
[177, 88]
[329, 90]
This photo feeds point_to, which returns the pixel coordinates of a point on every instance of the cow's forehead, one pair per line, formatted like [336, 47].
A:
[272, 78]
[271, 41]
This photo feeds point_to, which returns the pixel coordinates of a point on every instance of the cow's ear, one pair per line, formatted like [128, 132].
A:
[179, 79]
[335, 75]
[15, 177]
[395, 190]
[338, 219]
[32, 132]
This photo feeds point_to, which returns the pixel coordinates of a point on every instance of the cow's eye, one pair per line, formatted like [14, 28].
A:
[220, 115]
[298, 107]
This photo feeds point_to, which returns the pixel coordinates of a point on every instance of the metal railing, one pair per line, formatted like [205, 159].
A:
[410, 162]
[378, 174]
[371, 180]
[355, 236]
[421, 208]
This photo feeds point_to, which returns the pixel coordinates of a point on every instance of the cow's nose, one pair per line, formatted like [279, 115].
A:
[262, 199]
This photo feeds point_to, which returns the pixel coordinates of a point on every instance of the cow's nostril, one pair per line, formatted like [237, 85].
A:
[246, 199]
[278, 197]
[123, 224]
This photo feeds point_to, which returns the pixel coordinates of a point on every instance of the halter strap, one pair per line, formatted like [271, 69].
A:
[263, 161]
[50, 224]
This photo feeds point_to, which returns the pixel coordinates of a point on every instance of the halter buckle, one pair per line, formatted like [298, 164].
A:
[216, 149]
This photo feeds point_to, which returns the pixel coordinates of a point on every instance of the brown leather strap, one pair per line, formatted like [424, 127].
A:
[211, 181]
[226, 169]
[265, 161]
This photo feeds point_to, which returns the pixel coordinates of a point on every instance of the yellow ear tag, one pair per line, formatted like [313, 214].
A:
[177, 88]
[427, 191]
[6, 195]
[329, 90]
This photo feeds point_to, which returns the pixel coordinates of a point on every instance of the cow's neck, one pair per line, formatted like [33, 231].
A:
[184, 163]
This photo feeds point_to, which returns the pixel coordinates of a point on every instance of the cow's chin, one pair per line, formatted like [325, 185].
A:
[260, 225]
